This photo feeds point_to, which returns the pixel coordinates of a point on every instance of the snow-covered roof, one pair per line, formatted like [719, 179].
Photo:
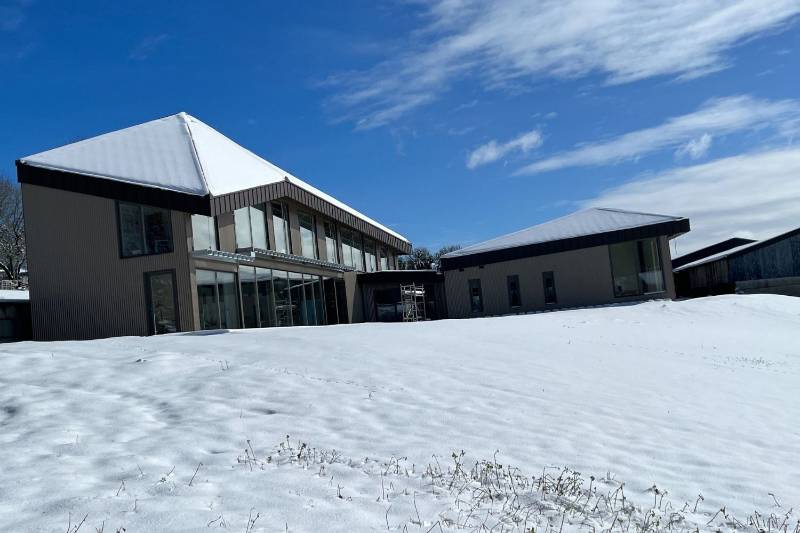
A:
[176, 153]
[587, 222]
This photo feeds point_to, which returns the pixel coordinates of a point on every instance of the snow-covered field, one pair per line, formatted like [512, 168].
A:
[189, 432]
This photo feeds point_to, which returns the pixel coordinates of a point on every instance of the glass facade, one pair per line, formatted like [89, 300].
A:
[636, 268]
[280, 226]
[308, 235]
[268, 298]
[217, 300]
[204, 233]
[251, 227]
[331, 247]
[143, 230]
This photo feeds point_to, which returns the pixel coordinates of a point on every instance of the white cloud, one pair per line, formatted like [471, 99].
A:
[752, 195]
[718, 116]
[492, 151]
[518, 41]
[148, 46]
[696, 148]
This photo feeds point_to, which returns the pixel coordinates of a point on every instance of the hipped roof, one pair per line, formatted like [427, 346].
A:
[178, 153]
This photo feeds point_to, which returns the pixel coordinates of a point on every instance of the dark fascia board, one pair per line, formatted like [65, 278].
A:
[710, 250]
[400, 276]
[287, 189]
[202, 205]
[112, 189]
[670, 228]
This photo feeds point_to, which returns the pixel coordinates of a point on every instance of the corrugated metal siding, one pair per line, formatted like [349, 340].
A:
[80, 287]
[780, 259]
[582, 277]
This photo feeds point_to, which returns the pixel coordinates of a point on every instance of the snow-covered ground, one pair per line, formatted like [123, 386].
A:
[188, 432]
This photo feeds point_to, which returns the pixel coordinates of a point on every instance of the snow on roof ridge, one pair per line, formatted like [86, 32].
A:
[183, 116]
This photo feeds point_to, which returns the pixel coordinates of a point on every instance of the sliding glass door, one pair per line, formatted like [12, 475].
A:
[217, 299]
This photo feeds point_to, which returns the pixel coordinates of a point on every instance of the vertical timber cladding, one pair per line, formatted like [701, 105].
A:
[286, 189]
[80, 287]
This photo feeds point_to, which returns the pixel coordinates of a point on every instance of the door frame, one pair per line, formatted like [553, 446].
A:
[148, 294]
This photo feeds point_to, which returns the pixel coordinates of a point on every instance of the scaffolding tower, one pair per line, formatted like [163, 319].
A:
[413, 300]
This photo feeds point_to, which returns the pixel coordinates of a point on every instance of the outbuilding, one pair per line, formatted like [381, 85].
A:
[591, 257]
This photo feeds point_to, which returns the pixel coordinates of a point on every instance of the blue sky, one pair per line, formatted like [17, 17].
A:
[452, 121]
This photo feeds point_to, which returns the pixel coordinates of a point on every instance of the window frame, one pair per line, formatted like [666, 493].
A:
[284, 216]
[314, 245]
[120, 246]
[640, 292]
[335, 238]
[149, 299]
[472, 308]
[551, 275]
[509, 279]
[215, 228]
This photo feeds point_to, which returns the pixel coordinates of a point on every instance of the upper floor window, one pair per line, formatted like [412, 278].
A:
[204, 233]
[331, 248]
[308, 235]
[144, 230]
[251, 227]
[371, 256]
[636, 268]
[384, 261]
[352, 249]
[280, 223]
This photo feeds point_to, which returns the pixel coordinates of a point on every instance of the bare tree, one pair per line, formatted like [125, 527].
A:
[12, 229]
[422, 258]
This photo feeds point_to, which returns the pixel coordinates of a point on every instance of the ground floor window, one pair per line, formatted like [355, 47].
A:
[162, 306]
[475, 296]
[636, 268]
[549, 282]
[267, 298]
[514, 296]
[217, 300]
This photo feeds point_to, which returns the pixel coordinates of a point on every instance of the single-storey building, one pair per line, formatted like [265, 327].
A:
[769, 266]
[591, 257]
[171, 226]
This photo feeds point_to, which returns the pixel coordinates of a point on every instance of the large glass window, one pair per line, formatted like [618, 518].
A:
[247, 279]
[204, 233]
[514, 296]
[370, 254]
[266, 299]
[475, 296]
[283, 305]
[297, 296]
[310, 303]
[331, 247]
[251, 227]
[144, 230]
[636, 268]
[352, 249]
[280, 226]
[308, 235]
[162, 307]
[217, 300]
